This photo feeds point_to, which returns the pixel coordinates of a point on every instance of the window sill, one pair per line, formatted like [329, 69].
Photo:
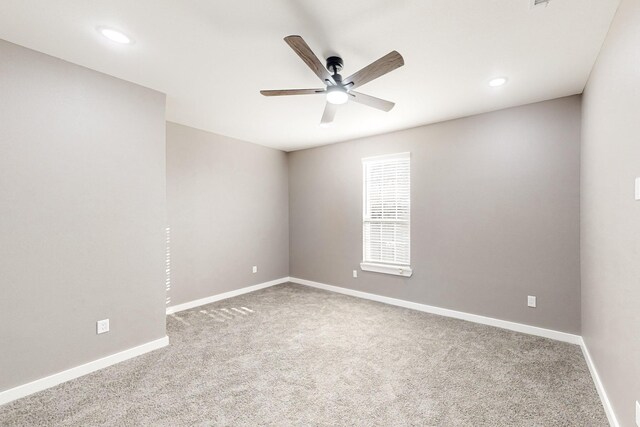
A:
[396, 270]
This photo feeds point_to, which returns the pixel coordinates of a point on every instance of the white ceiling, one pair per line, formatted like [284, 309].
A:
[213, 57]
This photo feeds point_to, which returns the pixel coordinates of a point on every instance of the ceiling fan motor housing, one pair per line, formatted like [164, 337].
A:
[334, 64]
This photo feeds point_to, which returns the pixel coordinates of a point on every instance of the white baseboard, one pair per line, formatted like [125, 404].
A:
[505, 324]
[608, 409]
[78, 371]
[230, 294]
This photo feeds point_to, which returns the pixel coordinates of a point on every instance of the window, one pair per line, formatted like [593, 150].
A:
[386, 217]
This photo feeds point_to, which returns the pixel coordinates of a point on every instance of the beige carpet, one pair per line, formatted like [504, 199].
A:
[292, 355]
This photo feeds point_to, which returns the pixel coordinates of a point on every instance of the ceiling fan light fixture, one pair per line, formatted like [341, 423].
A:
[337, 96]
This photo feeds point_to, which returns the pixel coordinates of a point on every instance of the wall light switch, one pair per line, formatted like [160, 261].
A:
[531, 301]
[355, 274]
[102, 326]
[638, 188]
[637, 413]
[255, 269]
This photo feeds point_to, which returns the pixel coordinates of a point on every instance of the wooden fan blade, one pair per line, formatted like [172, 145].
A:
[303, 50]
[372, 101]
[378, 68]
[282, 92]
[329, 113]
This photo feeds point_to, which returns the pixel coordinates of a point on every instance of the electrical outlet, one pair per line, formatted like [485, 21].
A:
[531, 301]
[355, 274]
[255, 269]
[102, 326]
[637, 413]
[638, 188]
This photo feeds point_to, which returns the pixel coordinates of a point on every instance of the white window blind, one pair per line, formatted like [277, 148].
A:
[386, 218]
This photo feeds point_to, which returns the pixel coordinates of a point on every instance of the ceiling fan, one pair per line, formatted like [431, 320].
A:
[338, 90]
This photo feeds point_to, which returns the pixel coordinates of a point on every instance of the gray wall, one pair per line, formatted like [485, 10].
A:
[82, 214]
[610, 215]
[495, 214]
[228, 211]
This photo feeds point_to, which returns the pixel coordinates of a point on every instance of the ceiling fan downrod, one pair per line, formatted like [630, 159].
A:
[334, 65]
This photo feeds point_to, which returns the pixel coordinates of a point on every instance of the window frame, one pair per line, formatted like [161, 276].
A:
[396, 269]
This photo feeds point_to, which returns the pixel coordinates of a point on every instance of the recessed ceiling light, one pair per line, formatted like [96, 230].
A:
[498, 81]
[115, 35]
